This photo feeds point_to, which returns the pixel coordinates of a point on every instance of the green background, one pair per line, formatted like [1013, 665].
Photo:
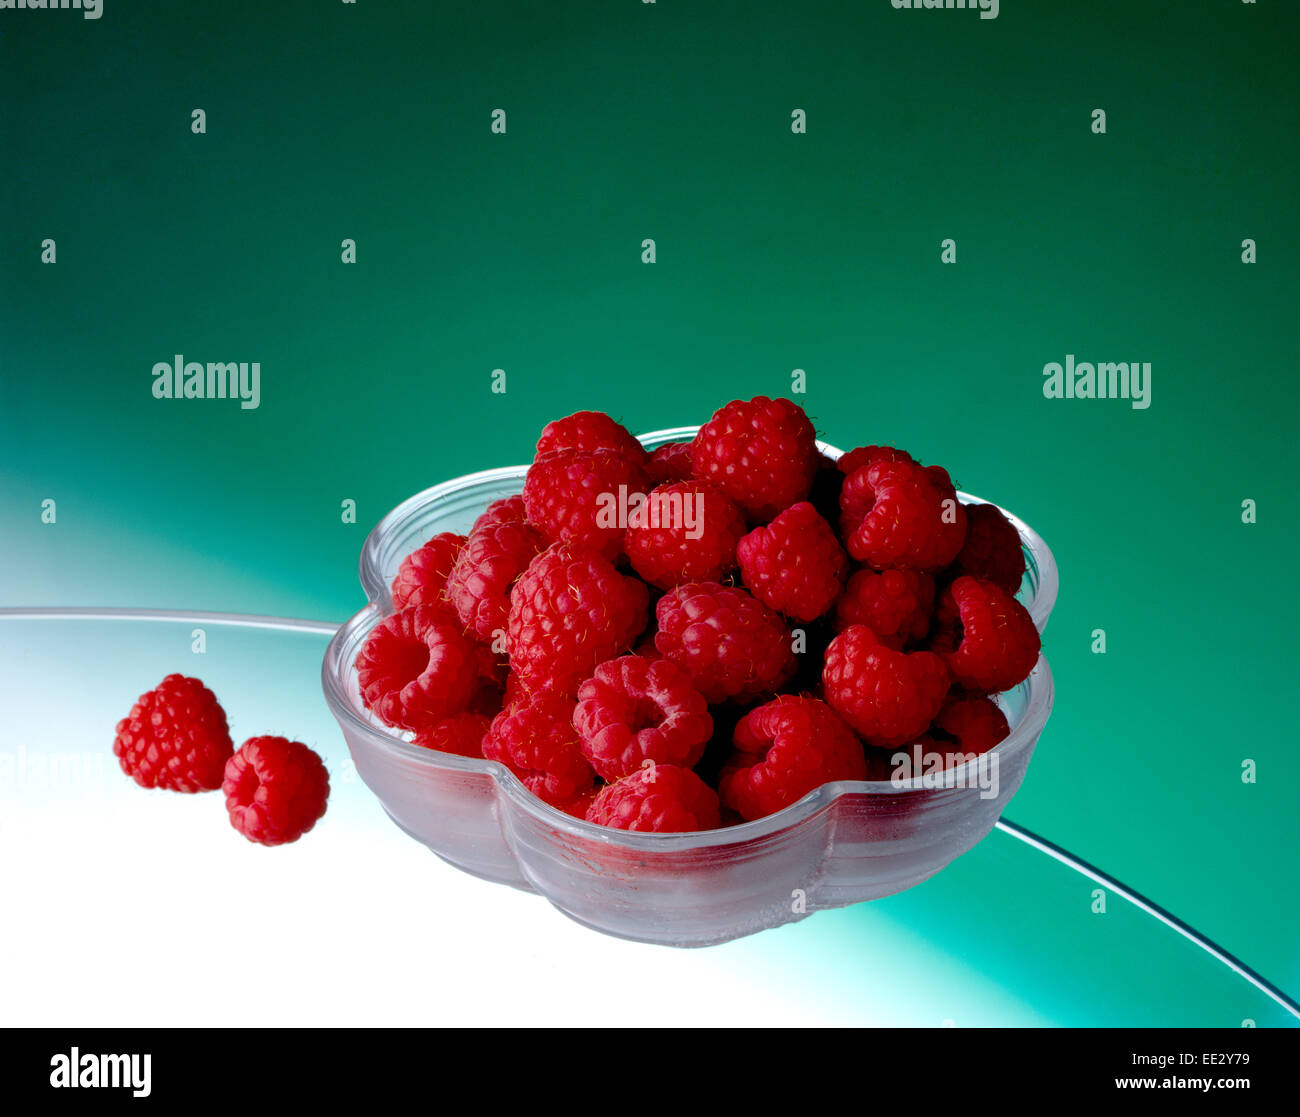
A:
[775, 251]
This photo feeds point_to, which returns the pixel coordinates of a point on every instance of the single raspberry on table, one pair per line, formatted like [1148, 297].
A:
[497, 552]
[991, 550]
[633, 710]
[670, 462]
[985, 635]
[785, 749]
[894, 514]
[569, 612]
[661, 798]
[888, 697]
[761, 452]
[585, 431]
[895, 604]
[416, 668]
[422, 577]
[536, 740]
[276, 790]
[687, 531]
[461, 734]
[795, 564]
[732, 645]
[582, 497]
[175, 737]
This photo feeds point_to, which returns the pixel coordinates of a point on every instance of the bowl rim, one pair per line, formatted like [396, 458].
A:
[334, 670]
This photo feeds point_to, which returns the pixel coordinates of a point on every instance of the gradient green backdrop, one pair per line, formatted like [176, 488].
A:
[775, 251]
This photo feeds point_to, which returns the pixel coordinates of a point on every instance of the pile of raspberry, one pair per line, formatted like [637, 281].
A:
[700, 636]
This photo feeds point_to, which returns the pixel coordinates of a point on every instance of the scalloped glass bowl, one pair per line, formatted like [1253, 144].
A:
[842, 844]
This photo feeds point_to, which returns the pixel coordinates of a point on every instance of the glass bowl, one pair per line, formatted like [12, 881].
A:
[844, 843]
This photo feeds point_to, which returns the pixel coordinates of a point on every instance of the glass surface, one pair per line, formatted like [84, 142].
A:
[1004, 936]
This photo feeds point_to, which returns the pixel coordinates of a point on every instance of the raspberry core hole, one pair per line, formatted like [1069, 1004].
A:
[645, 715]
[410, 660]
[246, 788]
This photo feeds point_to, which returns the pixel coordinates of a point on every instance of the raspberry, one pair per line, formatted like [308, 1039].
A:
[992, 549]
[461, 734]
[762, 453]
[416, 668]
[422, 577]
[784, 750]
[686, 532]
[633, 710]
[276, 790]
[795, 565]
[576, 497]
[497, 552]
[732, 645]
[536, 740]
[662, 798]
[570, 611]
[853, 460]
[888, 697]
[985, 635]
[670, 462]
[507, 510]
[584, 431]
[968, 725]
[895, 604]
[175, 737]
[899, 515]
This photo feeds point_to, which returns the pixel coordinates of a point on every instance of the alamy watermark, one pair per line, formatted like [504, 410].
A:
[90, 9]
[1130, 380]
[182, 379]
[930, 769]
[988, 9]
[674, 511]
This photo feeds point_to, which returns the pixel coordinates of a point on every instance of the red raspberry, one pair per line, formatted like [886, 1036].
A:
[578, 497]
[895, 604]
[985, 635]
[507, 510]
[585, 431]
[422, 577]
[497, 552]
[461, 734]
[897, 515]
[888, 697]
[175, 737]
[276, 790]
[686, 532]
[633, 710]
[762, 453]
[662, 798]
[784, 750]
[416, 668]
[536, 740]
[795, 565]
[992, 549]
[853, 460]
[670, 462]
[570, 611]
[969, 725]
[732, 645]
